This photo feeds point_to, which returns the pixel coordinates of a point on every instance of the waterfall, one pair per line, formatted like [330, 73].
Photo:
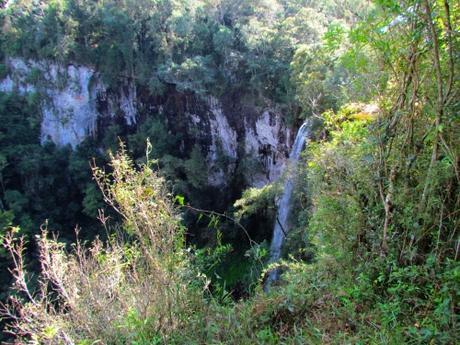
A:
[284, 206]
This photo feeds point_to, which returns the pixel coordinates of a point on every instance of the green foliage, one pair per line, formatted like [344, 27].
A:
[192, 75]
[381, 219]
[254, 200]
[207, 259]
[199, 46]
[139, 330]
[41, 183]
[24, 160]
[3, 71]
[154, 130]
[196, 169]
[401, 284]
[141, 285]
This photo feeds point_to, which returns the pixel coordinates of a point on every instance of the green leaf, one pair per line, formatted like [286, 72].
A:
[180, 200]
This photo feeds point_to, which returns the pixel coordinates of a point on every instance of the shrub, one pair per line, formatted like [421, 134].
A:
[133, 289]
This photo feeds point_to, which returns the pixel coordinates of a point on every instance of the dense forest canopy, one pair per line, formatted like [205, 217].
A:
[199, 46]
[160, 254]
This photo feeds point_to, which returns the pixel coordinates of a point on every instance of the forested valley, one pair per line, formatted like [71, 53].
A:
[229, 172]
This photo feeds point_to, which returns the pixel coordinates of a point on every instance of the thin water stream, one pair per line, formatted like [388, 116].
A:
[281, 227]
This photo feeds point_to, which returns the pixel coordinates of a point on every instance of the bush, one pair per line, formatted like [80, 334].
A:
[133, 289]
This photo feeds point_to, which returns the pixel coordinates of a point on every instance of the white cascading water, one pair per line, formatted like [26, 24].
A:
[284, 206]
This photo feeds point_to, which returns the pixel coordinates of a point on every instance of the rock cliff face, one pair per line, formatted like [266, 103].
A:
[69, 97]
[74, 100]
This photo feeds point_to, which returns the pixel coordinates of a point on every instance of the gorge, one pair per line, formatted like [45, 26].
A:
[229, 172]
[75, 104]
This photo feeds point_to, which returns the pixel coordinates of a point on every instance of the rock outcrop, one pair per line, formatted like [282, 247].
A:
[73, 100]
[69, 96]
